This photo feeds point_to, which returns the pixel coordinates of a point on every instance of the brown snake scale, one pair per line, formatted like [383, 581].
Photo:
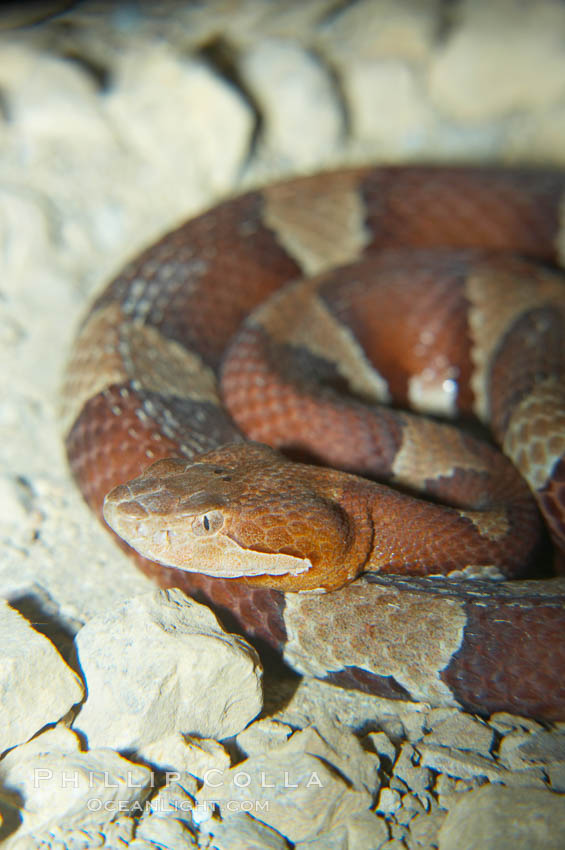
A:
[292, 315]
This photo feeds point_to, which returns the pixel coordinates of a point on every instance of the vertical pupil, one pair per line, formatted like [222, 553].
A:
[206, 523]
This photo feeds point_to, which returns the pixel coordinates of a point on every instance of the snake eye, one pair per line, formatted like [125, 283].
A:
[207, 523]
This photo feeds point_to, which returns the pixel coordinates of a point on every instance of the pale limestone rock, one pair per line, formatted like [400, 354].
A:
[341, 749]
[181, 753]
[47, 93]
[21, 15]
[463, 732]
[241, 831]
[195, 140]
[365, 831]
[390, 801]
[175, 798]
[503, 57]
[255, 21]
[362, 831]
[449, 791]
[383, 746]
[542, 747]
[556, 776]
[504, 723]
[303, 124]
[36, 686]
[165, 833]
[530, 755]
[415, 724]
[459, 764]
[411, 807]
[117, 833]
[295, 793]
[424, 829]
[399, 831]
[397, 784]
[509, 751]
[444, 784]
[538, 139]
[393, 727]
[381, 29]
[389, 108]
[263, 735]
[529, 777]
[407, 768]
[497, 818]
[61, 787]
[434, 716]
[313, 699]
[160, 663]
[14, 518]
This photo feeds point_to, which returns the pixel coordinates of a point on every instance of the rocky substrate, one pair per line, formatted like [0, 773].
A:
[129, 717]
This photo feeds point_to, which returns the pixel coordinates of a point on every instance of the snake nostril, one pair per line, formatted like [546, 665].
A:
[121, 493]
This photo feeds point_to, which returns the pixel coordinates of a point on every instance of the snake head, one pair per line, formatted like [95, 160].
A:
[242, 511]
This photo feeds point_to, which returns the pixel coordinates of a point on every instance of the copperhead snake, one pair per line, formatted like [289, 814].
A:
[434, 288]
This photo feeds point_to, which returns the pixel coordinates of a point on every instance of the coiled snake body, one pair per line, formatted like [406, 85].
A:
[432, 288]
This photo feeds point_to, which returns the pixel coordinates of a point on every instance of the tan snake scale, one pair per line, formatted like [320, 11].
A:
[350, 295]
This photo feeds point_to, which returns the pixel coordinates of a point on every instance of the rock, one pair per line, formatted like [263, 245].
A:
[389, 801]
[415, 724]
[195, 141]
[176, 799]
[366, 831]
[504, 723]
[165, 833]
[530, 777]
[398, 831]
[116, 833]
[303, 124]
[240, 831]
[291, 791]
[262, 735]
[501, 58]
[497, 818]
[460, 764]
[342, 750]
[407, 768]
[362, 831]
[451, 793]
[410, 808]
[539, 140]
[383, 746]
[36, 686]
[178, 753]
[463, 732]
[424, 829]
[380, 29]
[391, 89]
[161, 664]
[60, 787]
[393, 727]
[556, 775]
[542, 747]
[530, 756]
